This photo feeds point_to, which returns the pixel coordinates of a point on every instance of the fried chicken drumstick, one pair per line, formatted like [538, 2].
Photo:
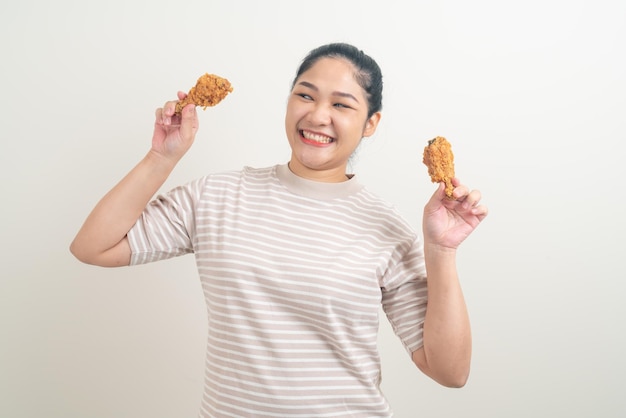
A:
[439, 159]
[208, 91]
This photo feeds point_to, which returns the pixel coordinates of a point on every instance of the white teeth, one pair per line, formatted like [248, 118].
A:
[317, 138]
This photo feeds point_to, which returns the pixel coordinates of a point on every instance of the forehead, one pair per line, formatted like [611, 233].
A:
[332, 70]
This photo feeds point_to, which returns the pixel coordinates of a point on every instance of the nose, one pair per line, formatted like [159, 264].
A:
[320, 114]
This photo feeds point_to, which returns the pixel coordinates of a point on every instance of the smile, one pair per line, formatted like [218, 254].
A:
[316, 138]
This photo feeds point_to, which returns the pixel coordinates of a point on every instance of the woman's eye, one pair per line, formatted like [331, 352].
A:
[304, 96]
[341, 105]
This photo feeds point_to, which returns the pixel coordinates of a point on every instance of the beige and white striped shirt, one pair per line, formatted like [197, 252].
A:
[294, 273]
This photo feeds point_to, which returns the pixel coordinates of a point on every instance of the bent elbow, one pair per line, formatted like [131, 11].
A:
[455, 381]
[452, 380]
[116, 256]
[451, 376]
[77, 251]
[84, 253]
[74, 250]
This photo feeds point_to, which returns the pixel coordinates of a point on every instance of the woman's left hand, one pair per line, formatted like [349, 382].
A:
[448, 221]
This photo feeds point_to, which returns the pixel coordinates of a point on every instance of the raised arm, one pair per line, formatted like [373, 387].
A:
[102, 238]
[446, 353]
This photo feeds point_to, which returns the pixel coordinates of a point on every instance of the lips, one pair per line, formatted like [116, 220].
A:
[315, 138]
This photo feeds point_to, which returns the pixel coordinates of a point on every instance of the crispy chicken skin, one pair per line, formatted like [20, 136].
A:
[208, 91]
[439, 159]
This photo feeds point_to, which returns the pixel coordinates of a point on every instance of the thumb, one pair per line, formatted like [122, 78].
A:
[437, 197]
[440, 192]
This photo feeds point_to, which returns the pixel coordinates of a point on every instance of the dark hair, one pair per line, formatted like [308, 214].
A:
[367, 74]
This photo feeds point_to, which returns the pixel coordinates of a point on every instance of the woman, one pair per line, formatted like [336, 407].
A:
[295, 260]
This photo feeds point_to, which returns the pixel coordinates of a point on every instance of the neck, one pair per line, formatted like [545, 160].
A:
[336, 175]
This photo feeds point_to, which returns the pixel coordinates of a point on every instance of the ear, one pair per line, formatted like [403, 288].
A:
[371, 124]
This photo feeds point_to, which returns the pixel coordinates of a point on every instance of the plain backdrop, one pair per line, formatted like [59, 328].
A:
[531, 94]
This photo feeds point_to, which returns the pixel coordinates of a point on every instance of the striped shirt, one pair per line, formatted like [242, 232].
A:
[294, 273]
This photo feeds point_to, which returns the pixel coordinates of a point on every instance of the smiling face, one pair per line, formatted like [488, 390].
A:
[326, 119]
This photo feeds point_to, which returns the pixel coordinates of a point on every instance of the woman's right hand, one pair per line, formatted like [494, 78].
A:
[102, 240]
[174, 134]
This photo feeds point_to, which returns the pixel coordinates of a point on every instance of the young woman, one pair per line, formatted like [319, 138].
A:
[296, 259]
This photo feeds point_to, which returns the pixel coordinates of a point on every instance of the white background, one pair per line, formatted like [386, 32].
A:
[531, 94]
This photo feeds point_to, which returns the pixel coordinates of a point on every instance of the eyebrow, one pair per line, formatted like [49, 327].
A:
[334, 93]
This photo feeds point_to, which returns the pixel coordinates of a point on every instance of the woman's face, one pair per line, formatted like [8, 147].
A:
[326, 119]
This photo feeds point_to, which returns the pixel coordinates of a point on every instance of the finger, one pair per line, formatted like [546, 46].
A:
[189, 121]
[181, 95]
[169, 108]
[460, 191]
[158, 116]
[472, 199]
[480, 212]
